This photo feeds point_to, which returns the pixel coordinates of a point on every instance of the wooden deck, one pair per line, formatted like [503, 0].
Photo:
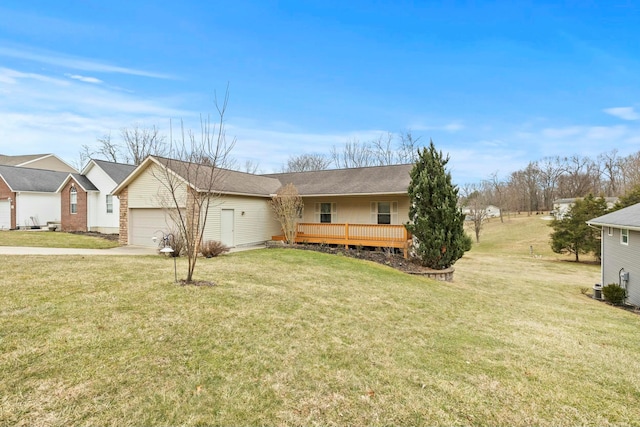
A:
[373, 235]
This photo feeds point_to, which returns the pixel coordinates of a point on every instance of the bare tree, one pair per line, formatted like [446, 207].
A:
[498, 192]
[355, 154]
[630, 166]
[407, 151]
[251, 167]
[139, 142]
[307, 162]
[383, 151]
[287, 206]
[550, 171]
[190, 180]
[475, 203]
[108, 150]
[84, 155]
[611, 172]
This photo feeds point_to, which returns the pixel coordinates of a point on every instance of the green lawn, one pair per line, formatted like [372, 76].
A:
[303, 338]
[48, 239]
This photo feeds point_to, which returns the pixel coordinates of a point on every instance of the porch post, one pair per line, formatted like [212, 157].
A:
[346, 235]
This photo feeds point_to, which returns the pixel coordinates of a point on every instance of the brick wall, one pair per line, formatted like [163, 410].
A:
[5, 193]
[78, 220]
[124, 216]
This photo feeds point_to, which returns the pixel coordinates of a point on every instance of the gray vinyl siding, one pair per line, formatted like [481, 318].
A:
[615, 256]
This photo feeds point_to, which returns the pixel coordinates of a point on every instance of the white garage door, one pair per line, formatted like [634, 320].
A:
[5, 215]
[146, 223]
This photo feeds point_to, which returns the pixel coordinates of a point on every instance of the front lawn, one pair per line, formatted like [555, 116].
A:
[50, 239]
[303, 338]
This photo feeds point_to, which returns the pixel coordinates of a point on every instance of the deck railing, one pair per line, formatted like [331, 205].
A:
[376, 235]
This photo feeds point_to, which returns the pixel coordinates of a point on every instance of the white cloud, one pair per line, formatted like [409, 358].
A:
[625, 113]
[58, 59]
[84, 78]
[555, 133]
[450, 127]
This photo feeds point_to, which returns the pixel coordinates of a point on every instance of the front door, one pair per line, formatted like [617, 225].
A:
[227, 227]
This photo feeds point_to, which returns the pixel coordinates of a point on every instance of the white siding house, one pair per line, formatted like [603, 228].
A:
[103, 207]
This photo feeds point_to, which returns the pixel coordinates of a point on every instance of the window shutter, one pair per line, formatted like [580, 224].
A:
[334, 212]
[374, 212]
[394, 212]
[317, 213]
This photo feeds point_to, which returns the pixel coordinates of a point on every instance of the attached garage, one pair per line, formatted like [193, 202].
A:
[5, 214]
[145, 223]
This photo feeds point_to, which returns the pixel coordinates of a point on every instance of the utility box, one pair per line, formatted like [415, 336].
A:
[597, 291]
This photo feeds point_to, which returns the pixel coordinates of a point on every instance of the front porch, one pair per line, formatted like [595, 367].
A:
[372, 235]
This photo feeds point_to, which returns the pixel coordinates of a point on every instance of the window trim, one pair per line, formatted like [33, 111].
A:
[624, 236]
[73, 201]
[109, 202]
[333, 212]
[393, 212]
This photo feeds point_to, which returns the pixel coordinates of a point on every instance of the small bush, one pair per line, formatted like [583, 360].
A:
[614, 294]
[213, 248]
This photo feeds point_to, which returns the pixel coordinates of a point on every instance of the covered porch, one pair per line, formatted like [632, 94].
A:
[372, 235]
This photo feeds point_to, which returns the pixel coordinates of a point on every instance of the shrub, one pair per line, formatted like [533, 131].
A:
[213, 248]
[176, 242]
[614, 294]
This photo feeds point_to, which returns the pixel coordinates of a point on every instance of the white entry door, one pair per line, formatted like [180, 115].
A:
[227, 227]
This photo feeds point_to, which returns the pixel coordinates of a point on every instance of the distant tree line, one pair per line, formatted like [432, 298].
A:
[534, 188]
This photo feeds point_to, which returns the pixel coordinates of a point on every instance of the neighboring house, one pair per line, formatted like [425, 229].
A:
[103, 213]
[620, 258]
[490, 211]
[33, 198]
[30, 197]
[562, 206]
[242, 215]
[38, 161]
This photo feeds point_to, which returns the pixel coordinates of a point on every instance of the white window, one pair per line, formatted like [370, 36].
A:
[326, 212]
[109, 203]
[384, 212]
[624, 236]
[609, 231]
[73, 200]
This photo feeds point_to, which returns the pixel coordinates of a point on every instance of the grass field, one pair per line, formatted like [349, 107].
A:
[303, 338]
[48, 239]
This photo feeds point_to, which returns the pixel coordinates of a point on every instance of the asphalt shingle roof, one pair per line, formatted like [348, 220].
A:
[116, 171]
[226, 181]
[26, 179]
[39, 180]
[628, 217]
[368, 180]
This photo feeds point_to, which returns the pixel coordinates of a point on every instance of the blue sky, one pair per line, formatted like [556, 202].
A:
[494, 84]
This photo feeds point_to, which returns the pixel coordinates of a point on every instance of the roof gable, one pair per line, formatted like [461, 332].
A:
[38, 161]
[82, 181]
[118, 172]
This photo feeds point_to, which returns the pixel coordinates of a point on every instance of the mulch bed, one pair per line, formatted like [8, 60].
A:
[384, 257]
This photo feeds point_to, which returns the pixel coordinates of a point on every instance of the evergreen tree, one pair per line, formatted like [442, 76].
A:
[572, 234]
[630, 198]
[437, 224]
